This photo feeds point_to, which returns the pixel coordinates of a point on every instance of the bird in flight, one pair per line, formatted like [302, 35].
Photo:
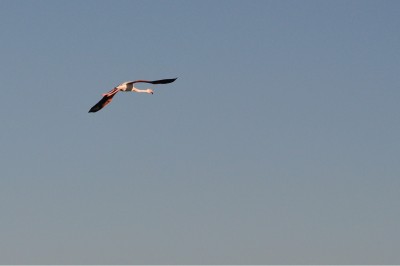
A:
[126, 86]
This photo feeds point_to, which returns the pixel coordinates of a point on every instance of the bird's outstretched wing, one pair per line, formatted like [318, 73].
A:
[161, 81]
[109, 96]
[102, 103]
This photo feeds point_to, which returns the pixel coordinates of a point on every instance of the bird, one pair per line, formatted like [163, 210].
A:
[126, 86]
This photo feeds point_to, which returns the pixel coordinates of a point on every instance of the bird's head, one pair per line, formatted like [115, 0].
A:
[149, 91]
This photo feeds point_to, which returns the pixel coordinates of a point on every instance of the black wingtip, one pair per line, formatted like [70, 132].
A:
[94, 109]
[163, 81]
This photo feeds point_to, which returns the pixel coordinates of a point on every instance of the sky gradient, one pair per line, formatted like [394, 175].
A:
[277, 144]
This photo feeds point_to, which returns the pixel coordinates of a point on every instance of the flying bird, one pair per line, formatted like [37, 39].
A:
[126, 86]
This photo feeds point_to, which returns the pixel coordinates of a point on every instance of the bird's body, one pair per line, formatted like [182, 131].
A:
[126, 86]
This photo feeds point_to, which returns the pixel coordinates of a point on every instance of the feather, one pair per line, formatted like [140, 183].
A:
[101, 104]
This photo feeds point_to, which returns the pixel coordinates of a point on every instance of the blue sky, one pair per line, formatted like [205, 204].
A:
[277, 144]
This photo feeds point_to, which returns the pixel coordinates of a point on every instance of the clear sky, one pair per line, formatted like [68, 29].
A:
[278, 143]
